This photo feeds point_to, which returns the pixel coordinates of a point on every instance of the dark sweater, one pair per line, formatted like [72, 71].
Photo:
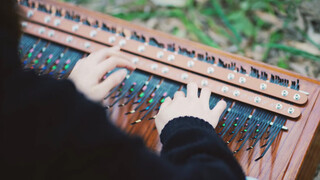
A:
[50, 131]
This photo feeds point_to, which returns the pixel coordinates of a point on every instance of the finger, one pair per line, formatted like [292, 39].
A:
[179, 95]
[192, 90]
[166, 102]
[112, 63]
[205, 95]
[110, 82]
[103, 53]
[219, 108]
[117, 54]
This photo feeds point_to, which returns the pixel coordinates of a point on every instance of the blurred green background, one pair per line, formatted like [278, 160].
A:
[285, 33]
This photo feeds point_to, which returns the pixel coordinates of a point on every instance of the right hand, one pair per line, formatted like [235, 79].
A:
[192, 105]
[88, 72]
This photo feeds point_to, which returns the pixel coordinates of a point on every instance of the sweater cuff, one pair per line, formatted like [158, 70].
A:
[184, 123]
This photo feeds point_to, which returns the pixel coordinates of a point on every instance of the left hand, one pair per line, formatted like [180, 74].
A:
[88, 72]
[190, 105]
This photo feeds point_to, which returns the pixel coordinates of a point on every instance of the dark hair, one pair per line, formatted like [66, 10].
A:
[10, 32]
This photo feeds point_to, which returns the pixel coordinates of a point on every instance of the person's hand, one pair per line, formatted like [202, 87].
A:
[88, 73]
[192, 105]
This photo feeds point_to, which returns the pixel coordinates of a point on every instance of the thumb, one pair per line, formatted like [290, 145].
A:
[217, 111]
[111, 81]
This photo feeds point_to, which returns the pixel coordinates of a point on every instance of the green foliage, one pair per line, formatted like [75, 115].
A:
[235, 20]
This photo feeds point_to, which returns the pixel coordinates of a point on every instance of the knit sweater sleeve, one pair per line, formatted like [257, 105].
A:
[192, 142]
[50, 131]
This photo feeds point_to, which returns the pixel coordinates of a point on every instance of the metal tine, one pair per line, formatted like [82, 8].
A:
[69, 66]
[242, 119]
[67, 60]
[154, 100]
[139, 77]
[262, 130]
[250, 129]
[137, 88]
[57, 65]
[278, 127]
[229, 103]
[39, 57]
[34, 51]
[135, 76]
[153, 105]
[26, 43]
[273, 129]
[122, 94]
[241, 116]
[49, 55]
[214, 99]
[142, 79]
[134, 93]
[126, 86]
[159, 92]
[262, 117]
[230, 118]
[117, 87]
[155, 86]
[169, 94]
[260, 126]
[48, 66]
[270, 132]
[164, 90]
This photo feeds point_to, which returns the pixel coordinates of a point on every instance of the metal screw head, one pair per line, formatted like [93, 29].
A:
[41, 30]
[160, 54]
[224, 89]
[51, 33]
[69, 39]
[257, 99]
[29, 14]
[230, 76]
[122, 42]
[24, 24]
[284, 93]
[165, 70]
[290, 110]
[47, 19]
[87, 45]
[278, 106]
[184, 76]
[242, 80]
[263, 86]
[135, 60]
[57, 22]
[93, 33]
[171, 57]
[236, 93]
[296, 97]
[190, 63]
[204, 82]
[210, 70]
[141, 48]
[154, 66]
[112, 39]
[75, 28]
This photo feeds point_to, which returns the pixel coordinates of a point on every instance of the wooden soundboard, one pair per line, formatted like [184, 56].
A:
[295, 152]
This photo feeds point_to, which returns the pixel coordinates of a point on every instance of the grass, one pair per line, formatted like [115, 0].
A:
[233, 19]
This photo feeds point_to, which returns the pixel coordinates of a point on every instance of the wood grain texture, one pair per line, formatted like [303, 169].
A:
[294, 153]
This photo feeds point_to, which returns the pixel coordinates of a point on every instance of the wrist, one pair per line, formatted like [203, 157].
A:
[184, 123]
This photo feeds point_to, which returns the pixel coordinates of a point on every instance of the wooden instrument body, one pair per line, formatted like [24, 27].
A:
[294, 154]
